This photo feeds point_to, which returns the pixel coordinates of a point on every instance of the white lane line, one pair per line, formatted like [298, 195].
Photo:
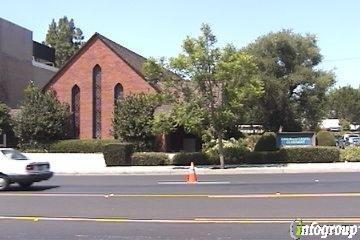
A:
[212, 196]
[195, 183]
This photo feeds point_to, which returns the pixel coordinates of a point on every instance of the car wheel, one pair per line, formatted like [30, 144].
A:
[25, 184]
[4, 182]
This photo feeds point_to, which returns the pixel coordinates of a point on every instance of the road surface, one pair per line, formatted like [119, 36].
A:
[162, 207]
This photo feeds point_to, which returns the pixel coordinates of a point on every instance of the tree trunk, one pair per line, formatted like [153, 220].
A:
[221, 151]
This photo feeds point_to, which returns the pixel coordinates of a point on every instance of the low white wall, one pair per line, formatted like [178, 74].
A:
[71, 162]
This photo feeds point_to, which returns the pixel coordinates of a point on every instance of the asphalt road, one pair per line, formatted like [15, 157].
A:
[160, 207]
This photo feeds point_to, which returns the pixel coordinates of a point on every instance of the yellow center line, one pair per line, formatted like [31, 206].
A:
[188, 221]
[287, 195]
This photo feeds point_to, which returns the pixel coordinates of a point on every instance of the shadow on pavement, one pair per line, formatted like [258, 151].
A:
[16, 188]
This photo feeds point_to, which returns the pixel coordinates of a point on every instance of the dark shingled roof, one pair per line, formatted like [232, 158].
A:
[134, 60]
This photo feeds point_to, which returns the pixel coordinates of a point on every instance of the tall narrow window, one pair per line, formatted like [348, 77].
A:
[97, 102]
[118, 92]
[75, 109]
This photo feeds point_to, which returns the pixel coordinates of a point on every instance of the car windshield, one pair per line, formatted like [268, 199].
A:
[14, 154]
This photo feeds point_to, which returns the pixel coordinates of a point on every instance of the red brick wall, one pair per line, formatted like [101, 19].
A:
[113, 70]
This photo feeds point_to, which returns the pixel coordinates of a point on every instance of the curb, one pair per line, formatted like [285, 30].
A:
[233, 170]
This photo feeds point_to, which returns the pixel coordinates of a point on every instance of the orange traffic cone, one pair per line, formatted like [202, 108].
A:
[191, 176]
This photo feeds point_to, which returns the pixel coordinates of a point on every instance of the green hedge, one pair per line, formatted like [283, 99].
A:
[265, 157]
[80, 146]
[267, 142]
[118, 154]
[185, 158]
[312, 154]
[325, 138]
[150, 159]
[232, 155]
[295, 155]
[350, 154]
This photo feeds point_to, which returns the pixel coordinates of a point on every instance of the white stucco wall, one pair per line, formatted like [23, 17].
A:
[71, 162]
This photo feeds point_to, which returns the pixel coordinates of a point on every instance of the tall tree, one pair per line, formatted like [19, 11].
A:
[42, 118]
[344, 103]
[65, 38]
[210, 86]
[6, 124]
[133, 118]
[295, 89]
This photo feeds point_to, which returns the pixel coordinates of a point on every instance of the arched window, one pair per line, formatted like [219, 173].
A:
[96, 102]
[118, 92]
[75, 109]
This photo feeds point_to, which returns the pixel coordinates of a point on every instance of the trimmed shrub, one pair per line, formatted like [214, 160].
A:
[265, 157]
[185, 158]
[150, 159]
[118, 154]
[232, 155]
[267, 142]
[325, 138]
[80, 146]
[250, 141]
[312, 155]
[350, 154]
[295, 155]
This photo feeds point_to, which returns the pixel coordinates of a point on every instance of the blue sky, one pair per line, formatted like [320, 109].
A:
[157, 28]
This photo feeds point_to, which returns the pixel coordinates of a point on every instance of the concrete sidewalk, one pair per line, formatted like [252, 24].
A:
[94, 164]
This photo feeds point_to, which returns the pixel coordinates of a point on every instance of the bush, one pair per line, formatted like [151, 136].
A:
[132, 120]
[250, 141]
[150, 159]
[232, 155]
[234, 151]
[267, 142]
[143, 145]
[312, 154]
[325, 138]
[185, 158]
[265, 157]
[295, 155]
[118, 154]
[80, 146]
[350, 154]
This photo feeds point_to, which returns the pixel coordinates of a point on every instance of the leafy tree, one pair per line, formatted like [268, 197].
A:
[210, 86]
[65, 38]
[5, 118]
[133, 118]
[344, 103]
[6, 124]
[295, 89]
[42, 118]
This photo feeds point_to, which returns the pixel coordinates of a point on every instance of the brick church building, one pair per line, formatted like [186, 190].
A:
[91, 81]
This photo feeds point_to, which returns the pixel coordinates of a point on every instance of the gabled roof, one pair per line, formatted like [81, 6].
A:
[134, 60]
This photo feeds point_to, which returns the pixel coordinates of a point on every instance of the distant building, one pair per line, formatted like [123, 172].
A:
[252, 129]
[354, 127]
[101, 72]
[22, 60]
[331, 125]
